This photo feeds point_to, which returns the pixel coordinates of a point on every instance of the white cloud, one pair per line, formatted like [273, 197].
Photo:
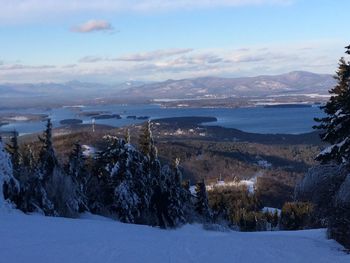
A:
[93, 25]
[33, 9]
[91, 59]
[139, 57]
[152, 55]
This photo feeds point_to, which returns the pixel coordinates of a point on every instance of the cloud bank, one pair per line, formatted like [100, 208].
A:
[179, 63]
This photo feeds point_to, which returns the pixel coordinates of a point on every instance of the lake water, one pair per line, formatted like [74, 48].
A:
[255, 119]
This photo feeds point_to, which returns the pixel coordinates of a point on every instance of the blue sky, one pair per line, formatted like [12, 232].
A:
[114, 41]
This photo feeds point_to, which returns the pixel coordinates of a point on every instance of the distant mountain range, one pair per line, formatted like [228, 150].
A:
[297, 82]
[71, 88]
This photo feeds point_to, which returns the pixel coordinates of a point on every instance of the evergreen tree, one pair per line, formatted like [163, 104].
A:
[9, 186]
[38, 196]
[102, 184]
[13, 149]
[27, 177]
[28, 159]
[146, 139]
[77, 171]
[131, 180]
[336, 125]
[62, 193]
[177, 195]
[126, 199]
[47, 156]
[202, 204]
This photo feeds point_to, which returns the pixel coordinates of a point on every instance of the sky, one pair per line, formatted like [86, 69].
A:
[114, 41]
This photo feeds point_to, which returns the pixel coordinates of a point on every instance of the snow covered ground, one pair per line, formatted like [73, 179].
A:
[39, 239]
[249, 183]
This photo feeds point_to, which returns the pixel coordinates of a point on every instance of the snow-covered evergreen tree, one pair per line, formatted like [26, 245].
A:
[62, 194]
[100, 189]
[16, 159]
[9, 186]
[37, 196]
[336, 125]
[79, 175]
[47, 156]
[202, 204]
[13, 149]
[175, 193]
[132, 193]
[26, 178]
[126, 198]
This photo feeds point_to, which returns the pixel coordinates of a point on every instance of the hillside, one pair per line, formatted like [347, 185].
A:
[296, 82]
[39, 239]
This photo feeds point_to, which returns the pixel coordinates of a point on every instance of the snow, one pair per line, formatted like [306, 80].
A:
[18, 118]
[264, 164]
[35, 238]
[88, 151]
[336, 147]
[249, 183]
[271, 210]
[74, 106]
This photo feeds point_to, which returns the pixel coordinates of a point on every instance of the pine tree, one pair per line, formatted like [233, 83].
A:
[336, 125]
[101, 186]
[127, 136]
[126, 199]
[62, 194]
[47, 156]
[13, 149]
[177, 195]
[131, 181]
[202, 204]
[77, 171]
[28, 159]
[38, 195]
[146, 139]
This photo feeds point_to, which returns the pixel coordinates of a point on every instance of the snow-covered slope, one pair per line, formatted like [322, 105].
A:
[94, 239]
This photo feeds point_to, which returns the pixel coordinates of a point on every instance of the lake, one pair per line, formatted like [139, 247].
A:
[293, 120]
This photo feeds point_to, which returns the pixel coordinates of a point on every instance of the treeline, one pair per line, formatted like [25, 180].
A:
[130, 185]
[121, 182]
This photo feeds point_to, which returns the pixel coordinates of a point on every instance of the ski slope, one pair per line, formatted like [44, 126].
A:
[36, 239]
